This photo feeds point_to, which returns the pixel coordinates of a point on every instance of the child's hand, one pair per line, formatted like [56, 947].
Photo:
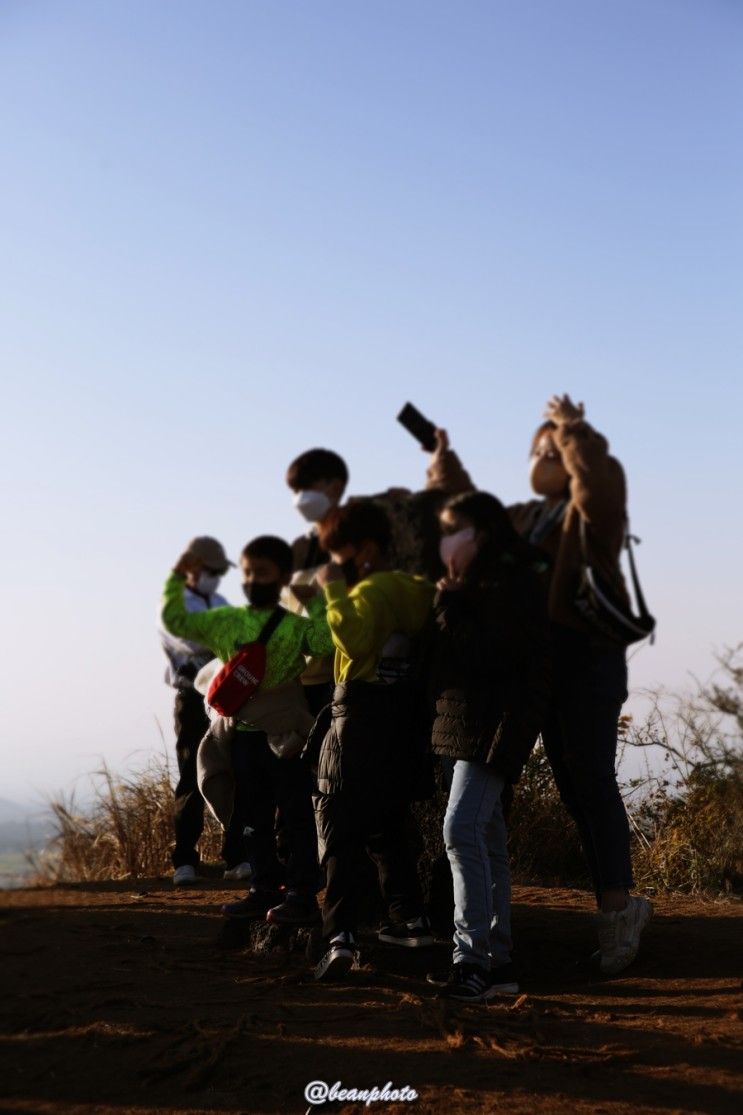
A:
[561, 409]
[186, 564]
[305, 593]
[330, 572]
[441, 447]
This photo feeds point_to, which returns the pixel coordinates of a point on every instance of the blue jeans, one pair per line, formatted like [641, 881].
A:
[475, 837]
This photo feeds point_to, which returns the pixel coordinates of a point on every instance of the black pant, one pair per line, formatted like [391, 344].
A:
[349, 825]
[318, 696]
[191, 723]
[580, 739]
[263, 784]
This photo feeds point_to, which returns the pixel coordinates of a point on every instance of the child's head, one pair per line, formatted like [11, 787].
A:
[547, 473]
[476, 534]
[266, 565]
[211, 564]
[318, 478]
[357, 536]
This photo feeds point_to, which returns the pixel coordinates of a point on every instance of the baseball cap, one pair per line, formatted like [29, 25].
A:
[210, 552]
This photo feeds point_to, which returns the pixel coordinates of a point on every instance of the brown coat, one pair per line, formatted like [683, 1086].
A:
[597, 494]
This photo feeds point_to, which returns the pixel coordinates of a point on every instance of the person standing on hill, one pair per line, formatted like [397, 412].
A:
[491, 686]
[263, 780]
[372, 752]
[185, 659]
[582, 504]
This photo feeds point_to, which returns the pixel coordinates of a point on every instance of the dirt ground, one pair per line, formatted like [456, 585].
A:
[118, 999]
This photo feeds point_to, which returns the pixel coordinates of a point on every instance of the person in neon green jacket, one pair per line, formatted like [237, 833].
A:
[222, 630]
[264, 783]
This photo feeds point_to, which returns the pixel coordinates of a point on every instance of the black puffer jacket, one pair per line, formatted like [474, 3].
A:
[375, 744]
[491, 672]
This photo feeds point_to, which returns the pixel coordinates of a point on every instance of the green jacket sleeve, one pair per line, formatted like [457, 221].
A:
[318, 640]
[197, 626]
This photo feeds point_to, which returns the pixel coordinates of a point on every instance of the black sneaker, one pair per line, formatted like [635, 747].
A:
[410, 934]
[503, 979]
[256, 904]
[296, 909]
[339, 959]
[469, 983]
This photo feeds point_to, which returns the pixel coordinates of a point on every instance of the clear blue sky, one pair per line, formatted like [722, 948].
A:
[231, 231]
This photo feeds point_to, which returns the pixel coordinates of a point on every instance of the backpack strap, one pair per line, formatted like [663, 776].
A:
[627, 545]
[628, 540]
[545, 521]
[271, 624]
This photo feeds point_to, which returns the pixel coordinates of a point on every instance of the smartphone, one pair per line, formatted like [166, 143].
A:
[421, 429]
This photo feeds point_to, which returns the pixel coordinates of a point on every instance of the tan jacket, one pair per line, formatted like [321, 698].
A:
[281, 713]
[598, 495]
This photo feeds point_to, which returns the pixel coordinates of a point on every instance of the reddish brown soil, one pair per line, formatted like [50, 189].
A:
[118, 1000]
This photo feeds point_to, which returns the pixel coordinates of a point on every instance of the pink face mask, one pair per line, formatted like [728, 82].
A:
[457, 550]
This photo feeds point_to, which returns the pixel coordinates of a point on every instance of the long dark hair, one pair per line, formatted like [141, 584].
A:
[503, 550]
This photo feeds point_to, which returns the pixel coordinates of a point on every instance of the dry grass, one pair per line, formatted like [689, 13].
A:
[126, 833]
[687, 820]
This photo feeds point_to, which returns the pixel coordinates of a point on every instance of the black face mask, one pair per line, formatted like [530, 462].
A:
[260, 595]
[350, 572]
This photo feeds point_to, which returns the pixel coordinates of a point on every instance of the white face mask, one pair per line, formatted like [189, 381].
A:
[451, 544]
[313, 505]
[207, 583]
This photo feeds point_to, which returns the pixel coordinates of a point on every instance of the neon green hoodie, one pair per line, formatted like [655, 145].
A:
[222, 630]
[363, 618]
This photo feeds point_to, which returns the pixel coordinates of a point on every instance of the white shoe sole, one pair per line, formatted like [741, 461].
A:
[614, 965]
[497, 989]
[406, 942]
[489, 993]
[335, 964]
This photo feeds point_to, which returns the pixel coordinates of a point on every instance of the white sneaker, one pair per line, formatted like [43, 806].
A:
[241, 873]
[619, 934]
[184, 876]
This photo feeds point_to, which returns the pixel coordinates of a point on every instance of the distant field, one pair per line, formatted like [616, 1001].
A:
[14, 869]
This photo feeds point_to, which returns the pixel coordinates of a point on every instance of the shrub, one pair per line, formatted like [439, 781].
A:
[688, 820]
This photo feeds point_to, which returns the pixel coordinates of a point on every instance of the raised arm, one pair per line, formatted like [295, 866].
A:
[597, 485]
[318, 640]
[445, 472]
[196, 626]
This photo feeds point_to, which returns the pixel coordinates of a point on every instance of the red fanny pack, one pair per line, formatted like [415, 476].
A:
[239, 678]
